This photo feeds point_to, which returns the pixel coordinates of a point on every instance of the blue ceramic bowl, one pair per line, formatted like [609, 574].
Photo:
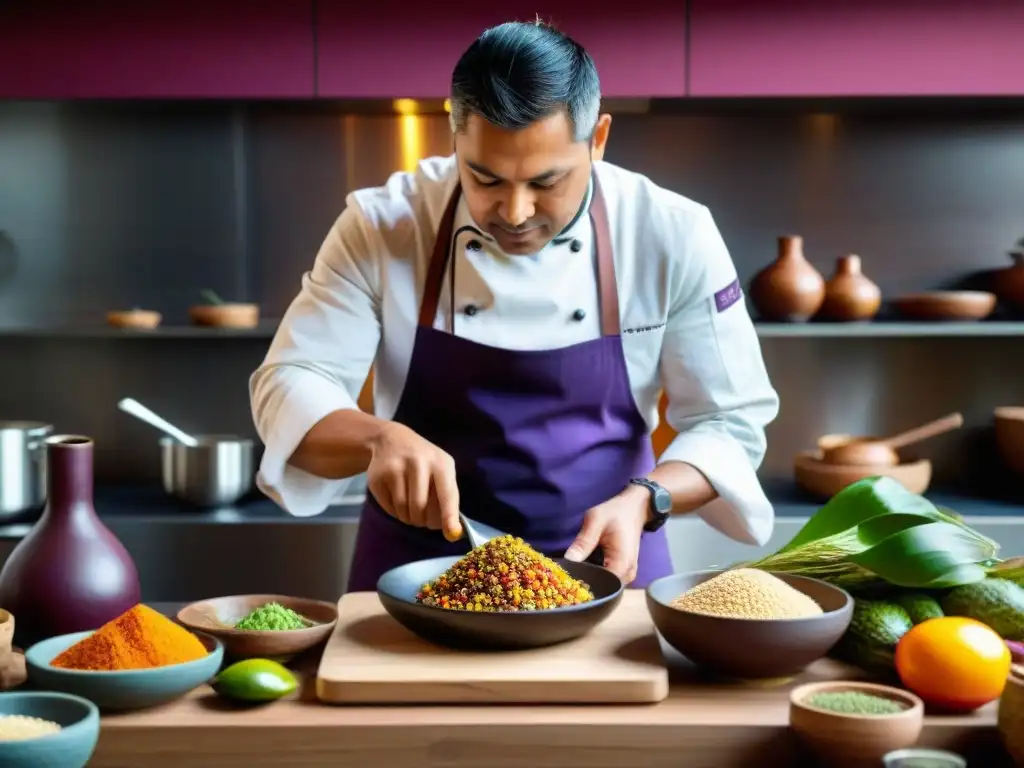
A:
[71, 747]
[124, 689]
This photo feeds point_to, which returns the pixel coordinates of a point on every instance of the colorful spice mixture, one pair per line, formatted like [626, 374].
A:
[139, 638]
[505, 574]
[272, 617]
[855, 703]
[747, 593]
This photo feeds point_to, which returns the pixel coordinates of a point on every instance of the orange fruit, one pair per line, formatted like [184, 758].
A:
[953, 663]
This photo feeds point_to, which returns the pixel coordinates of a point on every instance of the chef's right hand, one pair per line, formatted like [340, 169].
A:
[414, 481]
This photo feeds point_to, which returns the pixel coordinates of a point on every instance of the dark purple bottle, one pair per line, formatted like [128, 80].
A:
[70, 573]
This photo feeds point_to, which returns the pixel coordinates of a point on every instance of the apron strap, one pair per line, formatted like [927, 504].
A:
[608, 293]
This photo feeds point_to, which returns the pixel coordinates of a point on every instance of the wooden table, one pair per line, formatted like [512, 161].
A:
[700, 725]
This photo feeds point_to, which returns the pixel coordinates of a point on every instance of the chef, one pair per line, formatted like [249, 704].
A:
[523, 304]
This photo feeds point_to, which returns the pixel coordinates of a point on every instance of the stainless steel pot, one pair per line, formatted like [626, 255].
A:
[22, 467]
[215, 473]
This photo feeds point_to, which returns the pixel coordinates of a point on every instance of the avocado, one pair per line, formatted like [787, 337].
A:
[996, 602]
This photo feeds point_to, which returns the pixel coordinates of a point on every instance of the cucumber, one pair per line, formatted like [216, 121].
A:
[996, 602]
[870, 640]
[919, 606]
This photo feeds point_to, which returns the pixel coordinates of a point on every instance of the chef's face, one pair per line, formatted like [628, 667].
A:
[524, 186]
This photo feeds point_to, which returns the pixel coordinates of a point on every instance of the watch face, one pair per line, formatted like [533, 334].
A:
[663, 501]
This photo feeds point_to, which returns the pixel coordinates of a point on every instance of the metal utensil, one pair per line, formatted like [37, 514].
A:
[478, 533]
[139, 411]
[22, 467]
[217, 471]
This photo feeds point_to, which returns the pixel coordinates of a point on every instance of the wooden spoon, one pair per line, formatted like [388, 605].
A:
[882, 453]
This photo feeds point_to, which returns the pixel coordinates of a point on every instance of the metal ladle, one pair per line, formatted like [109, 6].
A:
[882, 453]
[139, 411]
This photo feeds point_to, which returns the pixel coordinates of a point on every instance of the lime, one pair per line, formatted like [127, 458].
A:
[255, 680]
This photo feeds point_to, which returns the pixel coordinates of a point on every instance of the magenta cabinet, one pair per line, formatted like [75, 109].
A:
[371, 51]
[156, 49]
[861, 48]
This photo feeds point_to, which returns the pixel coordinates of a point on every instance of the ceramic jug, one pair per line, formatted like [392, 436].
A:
[789, 289]
[849, 294]
[69, 573]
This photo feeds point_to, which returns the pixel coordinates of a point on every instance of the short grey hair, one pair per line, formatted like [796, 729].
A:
[520, 72]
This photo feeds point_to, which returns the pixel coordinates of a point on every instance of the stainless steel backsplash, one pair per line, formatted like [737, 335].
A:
[113, 206]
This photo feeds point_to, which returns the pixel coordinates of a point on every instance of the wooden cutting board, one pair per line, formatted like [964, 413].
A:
[372, 659]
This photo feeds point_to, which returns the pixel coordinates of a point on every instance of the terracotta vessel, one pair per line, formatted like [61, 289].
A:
[849, 294]
[1008, 283]
[69, 574]
[1011, 714]
[789, 289]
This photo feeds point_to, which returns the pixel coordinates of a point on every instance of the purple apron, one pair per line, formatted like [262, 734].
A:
[538, 436]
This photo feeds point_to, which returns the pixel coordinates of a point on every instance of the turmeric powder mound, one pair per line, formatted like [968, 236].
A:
[747, 593]
[140, 638]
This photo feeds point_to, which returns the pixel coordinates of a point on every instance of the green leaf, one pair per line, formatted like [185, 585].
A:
[857, 503]
[872, 532]
[933, 556]
[211, 297]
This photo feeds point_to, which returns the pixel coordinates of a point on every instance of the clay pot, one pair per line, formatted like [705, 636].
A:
[849, 294]
[70, 573]
[1008, 283]
[789, 289]
[1010, 720]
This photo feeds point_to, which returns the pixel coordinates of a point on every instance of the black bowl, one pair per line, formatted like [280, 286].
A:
[511, 630]
[750, 648]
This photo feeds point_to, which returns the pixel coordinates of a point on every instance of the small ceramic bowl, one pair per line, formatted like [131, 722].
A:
[71, 747]
[512, 630]
[136, 319]
[218, 616]
[946, 305]
[226, 315]
[121, 690]
[839, 739]
[749, 648]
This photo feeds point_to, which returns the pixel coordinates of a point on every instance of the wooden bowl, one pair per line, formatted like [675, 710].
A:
[749, 648]
[1010, 436]
[1011, 714]
[854, 740]
[946, 305]
[137, 319]
[825, 480]
[217, 617]
[226, 315]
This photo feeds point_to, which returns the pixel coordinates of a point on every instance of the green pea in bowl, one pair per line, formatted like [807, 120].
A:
[120, 690]
[70, 747]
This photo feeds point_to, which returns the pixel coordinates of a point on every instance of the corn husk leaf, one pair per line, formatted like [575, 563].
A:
[877, 532]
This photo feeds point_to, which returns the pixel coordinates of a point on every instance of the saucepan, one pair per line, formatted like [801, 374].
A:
[22, 467]
[205, 470]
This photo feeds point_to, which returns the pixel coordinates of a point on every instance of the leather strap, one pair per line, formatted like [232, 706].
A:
[608, 293]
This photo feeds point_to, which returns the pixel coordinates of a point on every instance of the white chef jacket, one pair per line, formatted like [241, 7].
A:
[359, 306]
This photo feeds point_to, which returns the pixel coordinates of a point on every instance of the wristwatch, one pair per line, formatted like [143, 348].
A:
[661, 503]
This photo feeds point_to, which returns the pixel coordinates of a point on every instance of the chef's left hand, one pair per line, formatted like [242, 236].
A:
[616, 527]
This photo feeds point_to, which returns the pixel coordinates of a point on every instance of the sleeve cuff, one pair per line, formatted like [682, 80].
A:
[742, 511]
[304, 401]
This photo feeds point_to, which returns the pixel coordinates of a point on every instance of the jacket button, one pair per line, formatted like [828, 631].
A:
[471, 309]
[579, 314]
[474, 245]
[576, 246]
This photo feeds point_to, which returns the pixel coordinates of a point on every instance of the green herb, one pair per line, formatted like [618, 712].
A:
[855, 703]
[875, 532]
[211, 297]
[272, 616]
